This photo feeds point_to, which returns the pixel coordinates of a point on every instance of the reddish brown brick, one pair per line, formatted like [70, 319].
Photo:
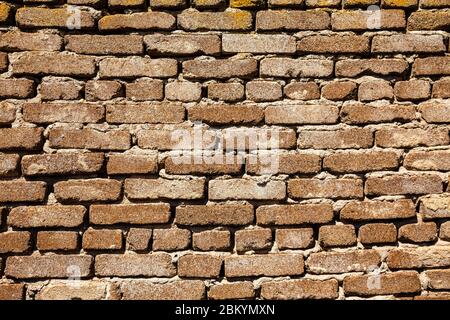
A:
[300, 289]
[343, 262]
[171, 239]
[9, 165]
[435, 207]
[378, 233]
[333, 43]
[134, 67]
[138, 239]
[301, 114]
[12, 291]
[291, 20]
[253, 239]
[302, 91]
[441, 88]
[61, 89]
[211, 165]
[145, 113]
[144, 189]
[407, 138]
[156, 213]
[339, 139]
[264, 265]
[239, 213]
[427, 160]
[301, 238]
[288, 163]
[137, 21]
[102, 239]
[21, 138]
[22, 191]
[243, 189]
[378, 210]
[419, 258]
[17, 88]
[431, 66]
[219, 69]
[429, 20]
[339, 90]
[105, 45]
[358, 113]
[329, 188]
[119, 164]
[337, 236]
[183, 44]
[292, 214]
[435, 112]
[102, 90]
[381, 67]
[176, 290]
[396, 184]
[407, 43]
[199, 266]
[229, 92]
[57, 240]
[14, 241]
[363, 20]
[418, 232]
[36, 17]
[211, 240]
[231, 290]
[357, 161]
[193, 20]
[88, 190]
[217, 114]
[7, 113]
[48, 216]
[145, 89]
[412, 90]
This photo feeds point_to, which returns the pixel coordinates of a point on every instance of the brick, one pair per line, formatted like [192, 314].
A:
[301, 238]
[330, 188]
[183, 91]
[89, 139]
[22, 191]
[102, 239]
[384, 284]
[426, 20]
[357, 161]
[14, 241]
[24, 138]
[176, 290]
[358, 113]
[236, 20]
[175, 138]
[219, 69]
[63, 18]
[4, 61]
[102, 90]
[207, 4]
[202, 165]
[288, 68]
[302, 91]
[42, 113]
[322, 3]
[427, 160]
[231, 290]
[294, 214]
[407, 43]
[378, 233]
[52, 63]
[9, 165]
[258, 43]
[133, 67]
[433, 3]
[168, 4]
[375, 90]
[412, 90]
[134, 265]
[62, 89]
[339, 139]
[343, 262]
[264, 265]
[337, 236]
[438, 279]
[217, 114]
[17, 40]
[234, 214]
[7, 113]
[62, 164]
[364, 20]
[105, 44]
[241, 189]
[358, 3]
[253, 239]
[261, 91]
[119, 164]
[171, 239]
[289, 163]
[339, 90]
[433, 296]
[431, 66]
[419, 258]
[5, 13]
[129, 214]
[444, 231]
[139, 21]
[48, 266]
[229, 92]
[399, 3]
[17, 88]
[247, 4]
[300, 289]
[211, 240]
[301, 114]
[84, 290]
[88, 190]
[11, 291]
[57, 240]
[125, 4]
[418, 232]
[441, 88]
[138, 239]
[380, 67]
[145, 113]
[199, 266]
[285, 3]
[407, 138]
[255, 138]
[145, 189]
[378, 210]
[397, 184]
[92, 3]
[333, 43]
[48, 216]
[434, 112]
[435, 207]
[145, 89]
[292, 20]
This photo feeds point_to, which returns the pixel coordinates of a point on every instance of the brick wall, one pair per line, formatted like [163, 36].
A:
[289, 149]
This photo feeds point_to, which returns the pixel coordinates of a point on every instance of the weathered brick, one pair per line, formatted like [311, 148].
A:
[137, 21]
[171, 239]
[339, 90]
[412, 90]
[144, 189]
[48, 216]
[300, 289]
[296, 68]
[337, 236]
[247, 4]
[431, 66]
[361, 161]
[382, 67]
[4, 61]
[407, 43]
[211, 165]
[208, 4]
[105, 45]
[176, 290]
[22, 191]
[168, 4]
[433, 3]
[6, 12]
[329, 188]
[7, 113]
[83, 290]
[16, 40]
[435, 207]
[333, 43]
[289, 163]
[358, 3]
[199, 266]
[12, 291]
[322, 3]
[407, 138]
[418, 232]
[375, 90]
[389, 283]
[125, 4]
[48, 266]
[396, 184]
[57, 240]
[231, 290]
[419, 258]
[438, 279]
[239, 213]
[292, 20]
[145, 89]
[253, 239]
[62, 164]
[175, 138]
[399, 3]
[102, 239]
[429, 20]
[434, 112]
[364, 20]
[134, 265]
[131, 164]
[378, 233]
[145, 113]
[293, 214]
[60, 89]
[193, 20]
[21, 138]
[301, 114]
[241, 189]
[102, 90]
[258, 43]
[301, 238]
[210, 240]
[427, 160]
[264, 265]
[441, 88]
[62, 112]
[343, 262]
[229, 92]
[133, 67]
[339, 139]
[52, 63]
[87, 190]
[9, 164]
[302, 91]
[358, 113]
[226, 114]
[183, 91]
[444, 231]
[17, 88]
[138, 239]
[256, 138]
[14, 241]
[36, 17]
[92, 3]
[378, 210]
[220, 69]
[89, 139]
